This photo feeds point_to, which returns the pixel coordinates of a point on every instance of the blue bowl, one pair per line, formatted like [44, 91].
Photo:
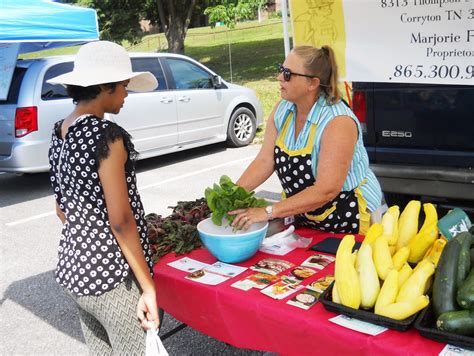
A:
[229, 246]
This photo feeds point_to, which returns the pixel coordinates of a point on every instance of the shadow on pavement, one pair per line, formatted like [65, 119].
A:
[16, 189]
[43, 297]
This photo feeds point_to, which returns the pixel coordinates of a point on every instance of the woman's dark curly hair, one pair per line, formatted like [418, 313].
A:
[78, 93]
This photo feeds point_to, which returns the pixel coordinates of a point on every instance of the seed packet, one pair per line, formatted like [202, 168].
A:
[318, 261]
[321, 284]
[305, 299]
[301, 273]
[297, 275]
[256, 280]
[271, 266]
[281, 290]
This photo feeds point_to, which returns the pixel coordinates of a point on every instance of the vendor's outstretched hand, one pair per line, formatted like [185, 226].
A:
[246, 217]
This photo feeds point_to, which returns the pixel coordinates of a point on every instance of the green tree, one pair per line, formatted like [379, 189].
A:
[119, 20]
[231, 11]
[174, 17]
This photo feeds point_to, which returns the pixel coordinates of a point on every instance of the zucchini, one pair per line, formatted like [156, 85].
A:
[459, 322]
[444, 285]
[464, 264]
[465, 295]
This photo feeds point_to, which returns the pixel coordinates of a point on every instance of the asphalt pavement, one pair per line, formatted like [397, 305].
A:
[36, 317]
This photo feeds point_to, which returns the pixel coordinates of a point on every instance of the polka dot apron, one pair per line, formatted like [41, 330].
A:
[294, 170]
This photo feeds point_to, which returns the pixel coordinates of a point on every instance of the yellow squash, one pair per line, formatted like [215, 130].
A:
[354, 257]
[388, 292]
[431, 216]
[382, 257]
[348, 287]
[400, 258]
[436, 250]
[392, 249]
[414, 286]
[335, 296]
[408, 223]
[403, 310]
[394, 211]
[368, 278]
[421, 243]
[388, 223]
[375, 230]
[404, 273]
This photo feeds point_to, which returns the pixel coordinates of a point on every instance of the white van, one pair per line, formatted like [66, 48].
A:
[191, 107]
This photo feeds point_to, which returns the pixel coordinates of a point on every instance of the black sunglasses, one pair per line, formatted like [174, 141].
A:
[287, 73]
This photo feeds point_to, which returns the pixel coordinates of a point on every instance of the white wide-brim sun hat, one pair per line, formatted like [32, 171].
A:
[104, 62]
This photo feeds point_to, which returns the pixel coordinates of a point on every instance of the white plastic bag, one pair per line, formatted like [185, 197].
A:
[154, 346]
[283, 242]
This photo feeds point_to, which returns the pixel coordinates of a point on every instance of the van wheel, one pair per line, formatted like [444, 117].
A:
[242, 128]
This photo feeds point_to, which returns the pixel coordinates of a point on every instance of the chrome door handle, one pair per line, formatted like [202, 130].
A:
[166, 100]
[184, 99]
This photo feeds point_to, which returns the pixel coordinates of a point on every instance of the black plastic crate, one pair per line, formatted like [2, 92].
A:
[364, 315]
[426, 325]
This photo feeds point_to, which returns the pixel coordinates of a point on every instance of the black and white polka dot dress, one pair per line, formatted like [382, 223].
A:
[90, 259]
[294, 170]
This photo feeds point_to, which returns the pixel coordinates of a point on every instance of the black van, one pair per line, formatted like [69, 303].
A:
[420, 140]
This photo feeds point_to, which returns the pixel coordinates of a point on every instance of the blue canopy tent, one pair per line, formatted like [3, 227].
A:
[35, 25]
[40, 24]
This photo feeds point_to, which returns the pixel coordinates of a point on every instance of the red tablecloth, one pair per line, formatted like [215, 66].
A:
[252, 320]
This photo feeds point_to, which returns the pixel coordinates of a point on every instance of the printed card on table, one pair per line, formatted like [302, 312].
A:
[225, 269]
[318, 261]
[281, 290]
[300, 273]
[187, 264]
[213, 274]
[321, 284]
[358, 325]
[271, 266]
[305, 299]
[451, 350]
[205, 277]
[279, 249]
[256, 280]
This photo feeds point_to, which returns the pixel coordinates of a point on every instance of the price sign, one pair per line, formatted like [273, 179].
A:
[410, 41]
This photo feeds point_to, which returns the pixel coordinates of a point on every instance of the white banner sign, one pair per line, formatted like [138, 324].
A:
[8, 55]
[411, 41]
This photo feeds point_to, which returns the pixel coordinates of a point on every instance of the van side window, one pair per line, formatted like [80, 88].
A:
[187, 75]
[55, 91]
[150, 65]
[17, 78]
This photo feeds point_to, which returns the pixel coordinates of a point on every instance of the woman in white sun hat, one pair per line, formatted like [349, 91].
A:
[104, 255]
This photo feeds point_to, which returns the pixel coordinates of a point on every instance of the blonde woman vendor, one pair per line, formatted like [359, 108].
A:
[313, 141]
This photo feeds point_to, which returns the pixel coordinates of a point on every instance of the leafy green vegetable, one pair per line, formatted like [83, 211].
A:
[177, 232]
[227, 196]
